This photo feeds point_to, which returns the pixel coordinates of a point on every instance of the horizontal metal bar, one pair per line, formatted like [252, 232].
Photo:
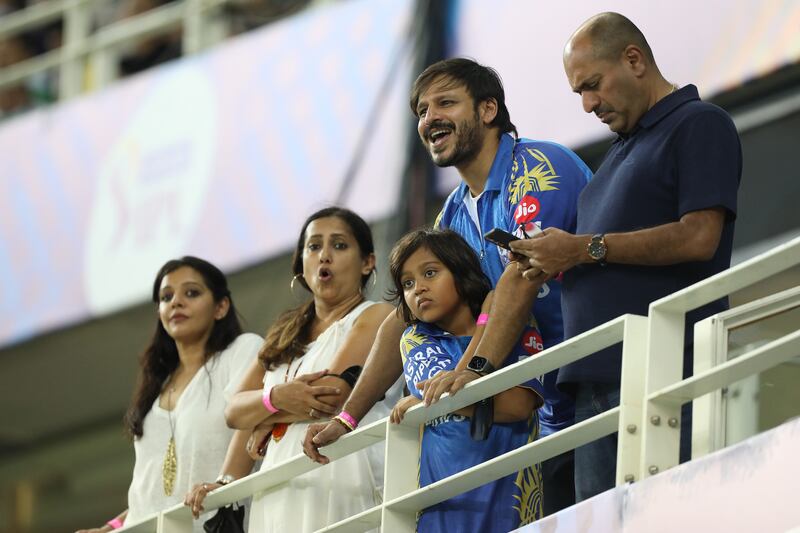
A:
[149, 23]
[145, 525]
[32, 17]
[743, 275]
[23, 70]
[577, 435]
[295, 466]
[761, 309]
[555, 357]
[760, 359]
[364, 521]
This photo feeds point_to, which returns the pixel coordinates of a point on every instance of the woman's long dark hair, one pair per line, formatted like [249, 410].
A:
[160, 358]
[288, 335]
[455, 254]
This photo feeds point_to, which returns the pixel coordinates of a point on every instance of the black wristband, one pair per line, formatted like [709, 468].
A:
[482, 419]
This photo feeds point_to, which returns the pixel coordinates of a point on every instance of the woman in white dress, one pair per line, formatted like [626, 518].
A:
[195, 361]
[308, 365]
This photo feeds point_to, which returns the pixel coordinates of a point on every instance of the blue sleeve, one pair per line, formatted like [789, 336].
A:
[423, 358]
[709, 163]
[546, 180]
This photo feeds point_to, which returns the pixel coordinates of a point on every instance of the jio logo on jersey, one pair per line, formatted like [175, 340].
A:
[532, 342]
[527, 210]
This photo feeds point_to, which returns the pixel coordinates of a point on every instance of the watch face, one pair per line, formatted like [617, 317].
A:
[597, 250]
[477, 363]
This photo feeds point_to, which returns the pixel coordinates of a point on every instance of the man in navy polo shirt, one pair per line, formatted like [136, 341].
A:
[657, 217]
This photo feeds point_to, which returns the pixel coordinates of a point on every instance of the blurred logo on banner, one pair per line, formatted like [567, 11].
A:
[150, 189]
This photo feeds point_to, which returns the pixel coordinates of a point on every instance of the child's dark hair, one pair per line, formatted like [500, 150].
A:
[455, 254]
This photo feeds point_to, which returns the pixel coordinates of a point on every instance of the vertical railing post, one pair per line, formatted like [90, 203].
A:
[77, 23]
[401, 476]
[664, 365]
[193, 26]
[631, 400]
[104, 67]
[706, 410]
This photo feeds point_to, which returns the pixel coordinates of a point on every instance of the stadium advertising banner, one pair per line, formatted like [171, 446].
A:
[221, 155]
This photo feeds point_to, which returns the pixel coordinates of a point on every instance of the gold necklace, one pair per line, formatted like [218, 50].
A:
[170, 467]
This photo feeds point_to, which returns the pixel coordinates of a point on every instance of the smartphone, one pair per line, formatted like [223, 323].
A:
[500, 237]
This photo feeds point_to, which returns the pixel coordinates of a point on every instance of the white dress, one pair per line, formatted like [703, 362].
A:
[335, 491]
[201, 434]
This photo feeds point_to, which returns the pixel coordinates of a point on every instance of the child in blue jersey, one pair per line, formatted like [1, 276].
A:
[441, 290]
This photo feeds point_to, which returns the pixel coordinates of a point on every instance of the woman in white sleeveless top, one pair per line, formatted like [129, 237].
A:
[195, 361]
[312, 356]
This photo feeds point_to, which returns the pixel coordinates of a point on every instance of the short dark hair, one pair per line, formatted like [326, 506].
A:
[481, 82]
[160, 358]
[455, 254]
[610, 33]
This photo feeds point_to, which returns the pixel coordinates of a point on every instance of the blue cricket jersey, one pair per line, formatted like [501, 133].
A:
[531, 183]
[447, 447]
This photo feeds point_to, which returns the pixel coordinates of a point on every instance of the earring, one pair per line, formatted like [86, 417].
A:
[374, 277]
[294, 278]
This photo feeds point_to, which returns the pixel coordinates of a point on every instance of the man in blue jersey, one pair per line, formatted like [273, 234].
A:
[518, 185]
[657, 217]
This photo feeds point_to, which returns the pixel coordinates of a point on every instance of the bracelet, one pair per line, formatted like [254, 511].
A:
[483, 318]
[348, 419]
[267, 402]
[343, 422]
[115, 523]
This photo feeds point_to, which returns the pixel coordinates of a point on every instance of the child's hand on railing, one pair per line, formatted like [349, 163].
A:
[400, 408]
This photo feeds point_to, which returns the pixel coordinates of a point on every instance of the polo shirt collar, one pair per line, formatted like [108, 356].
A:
[501, 166]
[664, 107]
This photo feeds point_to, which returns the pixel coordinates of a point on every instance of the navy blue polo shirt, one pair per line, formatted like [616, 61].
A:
[684, 155]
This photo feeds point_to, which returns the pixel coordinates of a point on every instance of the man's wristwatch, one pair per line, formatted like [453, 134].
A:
[597, 248]
[480, 365]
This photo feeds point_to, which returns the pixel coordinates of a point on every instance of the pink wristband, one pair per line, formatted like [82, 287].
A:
[267, 403]
[483, 318]
[115, 523]
[348, 418]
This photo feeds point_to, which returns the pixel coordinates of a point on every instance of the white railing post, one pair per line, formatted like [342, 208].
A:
[401, 476]
[661, 421]
[77, 23]
[193, 26]
[634, 346]
[707, 422]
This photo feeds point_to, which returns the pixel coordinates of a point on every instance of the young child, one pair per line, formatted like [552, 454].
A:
[441, 292]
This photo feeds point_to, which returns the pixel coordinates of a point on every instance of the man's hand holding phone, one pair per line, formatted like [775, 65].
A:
[503, 239]
[550, 252]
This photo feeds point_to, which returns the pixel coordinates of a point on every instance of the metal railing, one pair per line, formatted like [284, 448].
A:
[83, 51]
[647, 419]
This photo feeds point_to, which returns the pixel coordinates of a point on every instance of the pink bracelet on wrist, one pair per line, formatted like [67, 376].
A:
[351, 422]
[115, 523]
[265, 399]
[483, 318]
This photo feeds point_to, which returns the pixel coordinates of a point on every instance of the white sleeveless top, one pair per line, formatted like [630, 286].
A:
[335, 491]
[201, 434]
